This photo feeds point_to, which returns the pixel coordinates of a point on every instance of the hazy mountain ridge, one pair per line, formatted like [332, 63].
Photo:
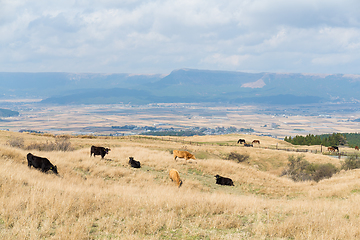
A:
[39, 84]
[183, 85]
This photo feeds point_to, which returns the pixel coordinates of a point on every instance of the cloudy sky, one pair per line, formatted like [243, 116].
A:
[139, 36]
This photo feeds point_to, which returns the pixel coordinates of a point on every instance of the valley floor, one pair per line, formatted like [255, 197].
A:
[276, 121]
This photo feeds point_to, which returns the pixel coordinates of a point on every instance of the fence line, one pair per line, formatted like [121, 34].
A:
[177, 139]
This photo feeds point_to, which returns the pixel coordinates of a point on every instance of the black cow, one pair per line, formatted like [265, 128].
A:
[224, 181]
[336, 148]
[99, 151]
[248, 145]
[134, 163]
[40, 162]
[241, 141]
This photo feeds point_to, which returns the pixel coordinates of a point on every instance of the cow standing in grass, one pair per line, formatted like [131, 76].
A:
[331, 149]
[336, 148]
[99, 151]
[175, 177]
[183, 154]
[39, 162]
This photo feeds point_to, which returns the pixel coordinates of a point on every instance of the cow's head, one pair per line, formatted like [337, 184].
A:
[107, 150]
[217, 176]
[54, 169]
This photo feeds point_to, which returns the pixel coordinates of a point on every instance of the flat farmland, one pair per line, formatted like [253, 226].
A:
[276, 121]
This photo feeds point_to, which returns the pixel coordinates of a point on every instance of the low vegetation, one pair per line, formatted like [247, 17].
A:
[94, 198]
[61, 143]
[299, 169]
[352, 162]
[238, 157]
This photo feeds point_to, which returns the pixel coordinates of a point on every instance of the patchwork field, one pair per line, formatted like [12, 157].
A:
[99, 119]
[94, 198]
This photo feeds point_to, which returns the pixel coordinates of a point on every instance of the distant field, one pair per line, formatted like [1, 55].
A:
[94, 198]
[98, 119]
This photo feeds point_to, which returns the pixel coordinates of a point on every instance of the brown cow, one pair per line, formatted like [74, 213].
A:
[256, 141]
[183, 154]
[356, 148]
[175, 176]
[331, 149]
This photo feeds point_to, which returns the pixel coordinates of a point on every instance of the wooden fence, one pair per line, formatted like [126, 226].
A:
[339, 154]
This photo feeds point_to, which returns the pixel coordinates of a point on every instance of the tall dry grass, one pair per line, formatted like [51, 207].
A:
[94, 198]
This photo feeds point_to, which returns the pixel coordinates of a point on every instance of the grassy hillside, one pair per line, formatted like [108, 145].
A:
[94, 198]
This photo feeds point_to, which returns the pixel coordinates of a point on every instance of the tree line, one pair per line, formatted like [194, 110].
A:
[327, 140]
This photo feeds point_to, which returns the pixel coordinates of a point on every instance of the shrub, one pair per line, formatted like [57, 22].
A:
[323, 171]
[238, 157]
[299, 169]
[350, 163]
[16, 142]
[62, 143]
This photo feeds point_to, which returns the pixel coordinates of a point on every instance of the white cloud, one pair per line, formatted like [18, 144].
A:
[138, 36]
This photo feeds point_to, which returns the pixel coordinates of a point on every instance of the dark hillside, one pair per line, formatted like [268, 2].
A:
[8, 113]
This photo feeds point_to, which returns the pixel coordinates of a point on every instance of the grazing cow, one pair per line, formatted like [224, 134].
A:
[183, 154]
[174, 176]
[356, 148]
[133, 163]
[331, 149]
[40, 162]
[248, 145]
[241, 141]
[256, 141]
[224, 181]
[99, 151]
[335, 147]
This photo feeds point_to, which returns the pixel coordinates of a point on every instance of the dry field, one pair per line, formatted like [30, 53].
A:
[94, 198]
[99, 119]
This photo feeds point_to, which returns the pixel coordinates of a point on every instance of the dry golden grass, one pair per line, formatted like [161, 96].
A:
[94, 198]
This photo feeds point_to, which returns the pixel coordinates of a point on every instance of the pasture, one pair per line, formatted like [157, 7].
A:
[95, 198]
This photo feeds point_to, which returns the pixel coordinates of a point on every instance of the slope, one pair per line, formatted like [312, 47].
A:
[105, 198]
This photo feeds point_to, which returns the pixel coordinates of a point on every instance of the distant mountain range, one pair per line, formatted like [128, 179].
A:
[183, 85]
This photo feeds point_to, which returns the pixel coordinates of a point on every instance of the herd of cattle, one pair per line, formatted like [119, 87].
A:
[45, 165]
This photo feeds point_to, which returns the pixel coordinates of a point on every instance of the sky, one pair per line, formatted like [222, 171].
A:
[145, 37]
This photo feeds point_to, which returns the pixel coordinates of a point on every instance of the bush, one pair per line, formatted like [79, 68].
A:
[301, 170]
[62, 143]
[238, 157]
[323, 171]
[16, 142]
[350, 163]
